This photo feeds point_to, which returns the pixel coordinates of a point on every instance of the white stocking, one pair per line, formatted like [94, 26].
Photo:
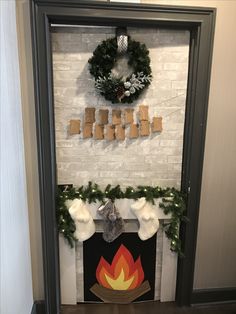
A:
[84, 223]
[147, 217]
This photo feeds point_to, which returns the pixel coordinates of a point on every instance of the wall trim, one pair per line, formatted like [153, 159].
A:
[217, 295]
[38, 307]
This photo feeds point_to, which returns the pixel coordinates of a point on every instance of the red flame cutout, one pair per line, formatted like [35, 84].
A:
[123, 273]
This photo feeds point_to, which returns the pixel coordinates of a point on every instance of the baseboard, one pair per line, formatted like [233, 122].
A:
[38, 307]
[218, 295]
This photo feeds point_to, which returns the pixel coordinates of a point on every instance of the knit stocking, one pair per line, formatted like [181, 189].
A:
[84, 223]
[147, 217]
[113, 224]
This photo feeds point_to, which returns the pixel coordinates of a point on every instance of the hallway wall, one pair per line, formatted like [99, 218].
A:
[15, 265]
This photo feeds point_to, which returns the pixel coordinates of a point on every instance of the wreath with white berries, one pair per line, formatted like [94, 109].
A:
[120, 89]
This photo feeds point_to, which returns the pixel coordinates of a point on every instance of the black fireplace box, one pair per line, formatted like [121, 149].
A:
[95, 248]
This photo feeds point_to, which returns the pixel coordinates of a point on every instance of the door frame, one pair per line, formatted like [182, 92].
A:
[201, 23]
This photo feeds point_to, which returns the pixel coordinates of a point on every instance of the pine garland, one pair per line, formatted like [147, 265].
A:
[173, 201]
[120, 90]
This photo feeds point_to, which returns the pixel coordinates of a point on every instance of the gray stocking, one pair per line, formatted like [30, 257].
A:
[113, 224]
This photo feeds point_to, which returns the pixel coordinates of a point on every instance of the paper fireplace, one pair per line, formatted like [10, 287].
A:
[96, 271]
[123, 273]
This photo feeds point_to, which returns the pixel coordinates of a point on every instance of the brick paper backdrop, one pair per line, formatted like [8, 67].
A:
[154, 160]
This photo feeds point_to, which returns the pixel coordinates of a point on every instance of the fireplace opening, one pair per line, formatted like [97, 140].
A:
[119, 272]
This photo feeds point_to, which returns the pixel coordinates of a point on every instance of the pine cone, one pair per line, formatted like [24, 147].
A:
[120, 93]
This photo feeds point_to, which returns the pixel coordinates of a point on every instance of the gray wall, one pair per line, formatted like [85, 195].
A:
[15, 264]
[215, 260]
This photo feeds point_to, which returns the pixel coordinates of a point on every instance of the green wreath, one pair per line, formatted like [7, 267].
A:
[120, 90]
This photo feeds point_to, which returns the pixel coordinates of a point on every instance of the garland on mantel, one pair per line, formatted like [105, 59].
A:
[173, 201]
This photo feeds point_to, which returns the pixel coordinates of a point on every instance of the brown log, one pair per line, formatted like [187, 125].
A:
[116, 116]
[89, 115]
[74, 127]
[143, 113]
[120, 296]
[103, 116]
[157, 124]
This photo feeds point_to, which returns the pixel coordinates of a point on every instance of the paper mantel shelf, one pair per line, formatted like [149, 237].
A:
[124, 207]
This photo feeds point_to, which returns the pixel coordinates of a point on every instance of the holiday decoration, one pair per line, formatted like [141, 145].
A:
[113, 224]
[89, 115]
[133, 131]
[129, 119]
[110, 132]
[120, 89]
[144, 128]
[74, 127]
[147, 217]
[88, 130]
[99, 132]
[173, 201]
[103, 116]
[143, 113]
[156, 124]
[120, 132]
[120, 120]
[84, 223]
[116, 116]
[122, 281]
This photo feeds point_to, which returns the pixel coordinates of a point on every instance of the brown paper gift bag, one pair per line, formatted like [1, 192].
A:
[74, 127]
[120, 132]
[88, 130]
[143, 113]
[157, 124]
[99, 132]
[89, 115]
[116, 116]
[144, 128]
[103, 116]
[133, 131]
[110, 132]
[129, 115]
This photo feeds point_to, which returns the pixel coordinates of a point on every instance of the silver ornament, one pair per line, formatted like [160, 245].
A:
[132, 90]
[127, 85]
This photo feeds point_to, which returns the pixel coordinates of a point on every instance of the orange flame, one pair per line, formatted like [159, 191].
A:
[123, 273]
